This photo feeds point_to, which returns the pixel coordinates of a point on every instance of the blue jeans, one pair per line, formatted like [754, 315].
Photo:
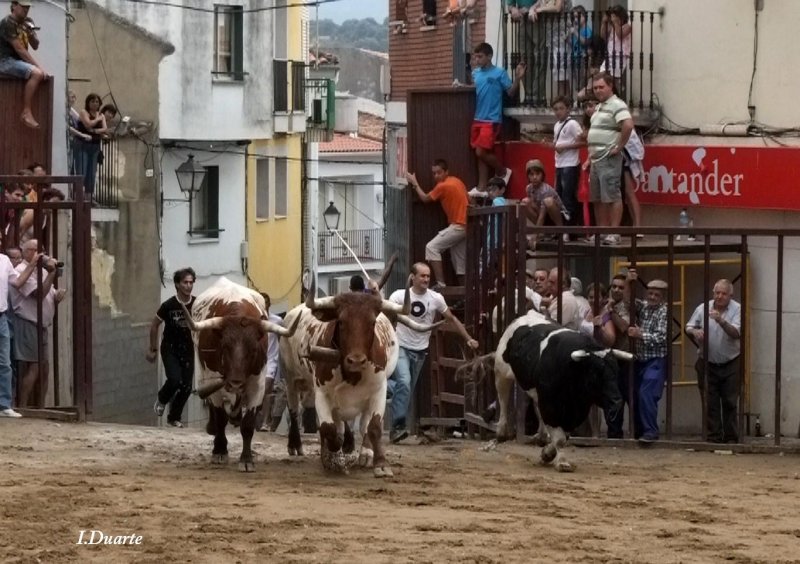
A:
[650, 376]
[86, 163]
[5, 363]
[402, 383]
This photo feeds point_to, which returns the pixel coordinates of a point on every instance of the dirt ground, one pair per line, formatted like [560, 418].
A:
[452, 501]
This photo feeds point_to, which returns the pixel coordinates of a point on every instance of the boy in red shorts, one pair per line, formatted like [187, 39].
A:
[490, 83]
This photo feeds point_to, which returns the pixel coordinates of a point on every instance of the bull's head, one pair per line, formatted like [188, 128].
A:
[355, 316]
[240, 343]
[603, 366]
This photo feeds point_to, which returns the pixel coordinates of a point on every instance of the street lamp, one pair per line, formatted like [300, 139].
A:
[190, 176]
[331, 216]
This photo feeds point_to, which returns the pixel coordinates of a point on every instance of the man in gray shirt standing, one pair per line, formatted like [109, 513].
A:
[724, 347]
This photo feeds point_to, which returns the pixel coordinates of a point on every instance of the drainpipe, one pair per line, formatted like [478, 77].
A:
[244, 249]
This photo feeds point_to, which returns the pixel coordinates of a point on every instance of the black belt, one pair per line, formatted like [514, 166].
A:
[720, 364]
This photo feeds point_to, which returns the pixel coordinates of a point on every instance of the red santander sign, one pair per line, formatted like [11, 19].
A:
[683, 175]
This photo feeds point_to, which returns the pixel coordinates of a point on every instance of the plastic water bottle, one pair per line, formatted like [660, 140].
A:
[683, 222]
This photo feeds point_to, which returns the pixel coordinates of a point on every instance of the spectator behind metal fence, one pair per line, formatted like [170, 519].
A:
[17, 33]
[27, 331]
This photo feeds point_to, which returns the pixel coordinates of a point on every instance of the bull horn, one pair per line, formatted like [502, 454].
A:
[622, 355]
[416, 325]
[196, 326]
[391, 307]
[388, 270]
[207, 389]
[312, 303]
[278, 329]
[323, 354]
[579, 355]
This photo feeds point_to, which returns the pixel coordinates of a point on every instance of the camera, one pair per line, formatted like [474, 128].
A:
[30, 26]
[59, 265]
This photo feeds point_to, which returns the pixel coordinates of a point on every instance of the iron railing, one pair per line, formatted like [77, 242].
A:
[496, 237]
[106, 188]
[563, 51]
[367, 244]
[76, 253]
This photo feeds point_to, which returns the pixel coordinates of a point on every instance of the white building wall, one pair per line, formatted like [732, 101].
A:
[704, 60]
[193, 104]
[211, 258]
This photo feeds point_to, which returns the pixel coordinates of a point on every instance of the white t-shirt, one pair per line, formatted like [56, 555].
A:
[566, 133]
[424, 308]
[7, 273]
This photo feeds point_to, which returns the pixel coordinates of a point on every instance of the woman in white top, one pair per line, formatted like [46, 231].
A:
[616, 31]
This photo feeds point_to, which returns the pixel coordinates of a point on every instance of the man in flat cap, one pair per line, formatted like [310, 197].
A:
[650, 369]
[16, 34]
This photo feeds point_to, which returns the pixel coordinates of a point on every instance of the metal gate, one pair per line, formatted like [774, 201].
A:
[62, 228]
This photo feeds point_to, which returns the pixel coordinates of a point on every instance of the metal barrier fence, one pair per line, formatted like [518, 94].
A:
[106, 189]
[563, 51]
[25, 220]
[496, 238]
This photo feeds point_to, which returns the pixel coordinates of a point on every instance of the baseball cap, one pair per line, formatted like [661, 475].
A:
[534, 163]
[23, 3]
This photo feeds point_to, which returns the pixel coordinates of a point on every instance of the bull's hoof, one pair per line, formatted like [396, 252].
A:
[564, 466]
[219, 458]
[541, 439]
[247, 466]
[333, 461]
[383, 472]
[549, 454]
[296, 451]
[365, 458]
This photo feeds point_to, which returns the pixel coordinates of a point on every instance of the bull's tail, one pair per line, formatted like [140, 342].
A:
[473, 373]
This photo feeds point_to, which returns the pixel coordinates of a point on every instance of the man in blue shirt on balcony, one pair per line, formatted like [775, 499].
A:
[490, 84]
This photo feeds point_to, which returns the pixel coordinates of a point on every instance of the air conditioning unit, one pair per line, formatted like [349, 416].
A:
[338, 285]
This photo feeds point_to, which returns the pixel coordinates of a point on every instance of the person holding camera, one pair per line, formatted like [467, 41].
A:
[24, 301]
[17, 33]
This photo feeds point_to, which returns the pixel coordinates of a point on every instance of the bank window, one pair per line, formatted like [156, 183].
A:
[204, 207]
[228, 42]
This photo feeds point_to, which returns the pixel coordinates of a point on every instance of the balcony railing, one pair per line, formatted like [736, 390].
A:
[367, 244]
[106, 190]
[563, 51]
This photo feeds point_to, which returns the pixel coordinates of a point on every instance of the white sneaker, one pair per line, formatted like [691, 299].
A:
[507, 176]
[611, 240]
[8, 412]
[565, 237]
[475, 193]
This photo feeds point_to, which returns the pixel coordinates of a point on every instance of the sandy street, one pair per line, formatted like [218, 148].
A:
[452, 501]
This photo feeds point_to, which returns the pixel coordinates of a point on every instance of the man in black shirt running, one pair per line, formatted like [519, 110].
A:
[177, 348]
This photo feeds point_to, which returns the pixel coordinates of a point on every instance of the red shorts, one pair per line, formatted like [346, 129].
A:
[483, 134]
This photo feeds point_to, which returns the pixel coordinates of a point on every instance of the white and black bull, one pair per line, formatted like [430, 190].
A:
[230, 337]
[343, 352]
[564, 373]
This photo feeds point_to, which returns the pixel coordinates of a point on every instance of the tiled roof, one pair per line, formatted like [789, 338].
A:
[346, 144]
